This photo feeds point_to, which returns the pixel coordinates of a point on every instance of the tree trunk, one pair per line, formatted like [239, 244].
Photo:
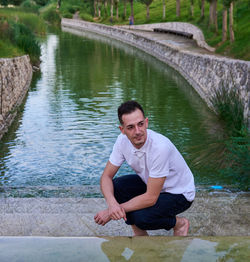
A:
[231, 22]
[95, 9]
[192, 9]
[117, 10]
[202, 8]
[148, 17]
[99, 8]
[58, 4]
[132, 10]
[213, 14]
[111, 9]
[224, 24]
[178, 7]
[164, 10]
[125, 9]
[106, 7]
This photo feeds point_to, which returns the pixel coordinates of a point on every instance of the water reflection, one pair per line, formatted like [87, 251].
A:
[121, 249]
[68, 125]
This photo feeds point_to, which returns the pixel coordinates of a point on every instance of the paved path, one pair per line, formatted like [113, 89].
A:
[179, 42]
[217, 214]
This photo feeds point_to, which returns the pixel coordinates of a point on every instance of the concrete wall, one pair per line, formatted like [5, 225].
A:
[178, 26]
[15, 78]
[205, 72]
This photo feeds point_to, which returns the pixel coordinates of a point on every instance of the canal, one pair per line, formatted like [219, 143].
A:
[65, 130]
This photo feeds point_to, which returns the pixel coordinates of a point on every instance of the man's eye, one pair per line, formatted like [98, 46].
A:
[140, 124]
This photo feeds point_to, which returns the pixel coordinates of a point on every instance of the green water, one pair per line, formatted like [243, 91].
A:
[66, 128]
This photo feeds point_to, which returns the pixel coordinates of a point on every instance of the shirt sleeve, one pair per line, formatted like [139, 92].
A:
[117, 158]
[160, 164]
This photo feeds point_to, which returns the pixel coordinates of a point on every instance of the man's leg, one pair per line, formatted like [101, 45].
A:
[163, 215]
[126, 188]
[160, 216]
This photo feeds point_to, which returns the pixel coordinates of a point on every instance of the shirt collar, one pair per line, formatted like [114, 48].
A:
[143, 149]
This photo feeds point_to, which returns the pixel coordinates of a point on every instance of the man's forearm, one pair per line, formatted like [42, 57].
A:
[107, 189]
[138, 202]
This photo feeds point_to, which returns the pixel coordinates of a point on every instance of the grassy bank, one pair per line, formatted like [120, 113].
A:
[19, 29]
[239, 49]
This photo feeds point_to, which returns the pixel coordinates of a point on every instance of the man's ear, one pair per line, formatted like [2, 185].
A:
[146, 122]
[121, 129]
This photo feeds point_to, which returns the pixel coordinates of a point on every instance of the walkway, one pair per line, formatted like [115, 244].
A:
[212, 214]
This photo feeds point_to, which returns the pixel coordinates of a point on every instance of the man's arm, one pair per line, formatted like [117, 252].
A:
[114, 211]
[149, 198]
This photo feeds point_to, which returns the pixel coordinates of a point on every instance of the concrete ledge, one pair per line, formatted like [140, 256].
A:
[178, 26]
[216, 214]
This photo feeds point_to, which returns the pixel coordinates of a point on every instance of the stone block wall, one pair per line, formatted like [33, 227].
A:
[205, 72]
[15, 78]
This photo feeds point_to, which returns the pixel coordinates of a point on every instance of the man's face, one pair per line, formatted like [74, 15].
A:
[135, 128]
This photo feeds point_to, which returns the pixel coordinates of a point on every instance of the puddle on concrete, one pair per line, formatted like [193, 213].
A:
[117, 249]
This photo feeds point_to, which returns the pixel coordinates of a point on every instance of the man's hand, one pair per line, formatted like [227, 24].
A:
[116, 212]
[102, 217]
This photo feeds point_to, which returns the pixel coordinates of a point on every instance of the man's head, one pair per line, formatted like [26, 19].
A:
[133, 123]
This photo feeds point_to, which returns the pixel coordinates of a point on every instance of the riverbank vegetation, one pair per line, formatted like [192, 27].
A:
[229, 107]
[19, 28]
[225, 23]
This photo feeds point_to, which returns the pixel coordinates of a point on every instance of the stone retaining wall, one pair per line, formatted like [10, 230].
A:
[15, 78]
[205, 72]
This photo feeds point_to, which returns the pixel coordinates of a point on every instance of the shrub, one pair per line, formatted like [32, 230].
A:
[23, 37]
[52, 16]
[230, 110]
[30, 5]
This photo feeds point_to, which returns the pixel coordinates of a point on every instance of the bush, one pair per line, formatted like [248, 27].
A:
[230, 110]
[30, 5]
[52, 16]
[86, 17]
[23, 37]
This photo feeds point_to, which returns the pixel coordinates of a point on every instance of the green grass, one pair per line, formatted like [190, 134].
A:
[7, 49]
[18, 30]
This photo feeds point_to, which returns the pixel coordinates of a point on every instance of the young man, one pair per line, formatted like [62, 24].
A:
[162, 187]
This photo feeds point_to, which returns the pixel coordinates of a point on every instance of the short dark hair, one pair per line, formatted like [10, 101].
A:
[127, 108]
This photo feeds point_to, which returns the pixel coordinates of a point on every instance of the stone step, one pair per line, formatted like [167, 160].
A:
[209, 215]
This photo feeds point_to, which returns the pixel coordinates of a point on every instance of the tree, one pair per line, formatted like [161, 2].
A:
[224, 23]
[132, 11]
[227, 4]
[125, 9]
[164, 10]
[58, 4]
[231, 22]
[117, 8]
[213, 14]
[111, 9]
[202, 8]
[147, 3]
[99, 6]
[178, 8]
[192, 8]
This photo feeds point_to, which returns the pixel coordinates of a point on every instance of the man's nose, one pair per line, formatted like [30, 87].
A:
[137, 129]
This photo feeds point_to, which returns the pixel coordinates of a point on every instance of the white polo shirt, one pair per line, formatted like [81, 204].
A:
[157, 158]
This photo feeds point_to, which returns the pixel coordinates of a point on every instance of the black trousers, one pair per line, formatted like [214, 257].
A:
[160, 216]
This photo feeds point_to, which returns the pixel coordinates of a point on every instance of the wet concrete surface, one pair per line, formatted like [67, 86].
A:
[115, 249]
